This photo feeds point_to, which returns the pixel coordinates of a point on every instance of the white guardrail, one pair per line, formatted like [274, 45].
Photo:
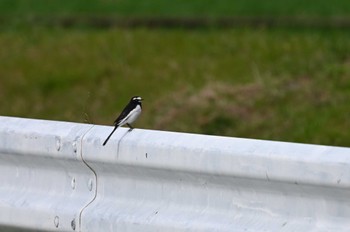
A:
[57, 176]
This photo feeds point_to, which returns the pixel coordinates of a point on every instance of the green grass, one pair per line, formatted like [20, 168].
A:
[179, 8]
[19, 14]
[268, 84]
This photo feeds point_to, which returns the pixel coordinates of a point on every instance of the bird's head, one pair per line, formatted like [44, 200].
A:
[137, 99]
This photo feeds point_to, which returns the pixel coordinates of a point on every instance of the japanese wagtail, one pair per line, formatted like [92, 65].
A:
[129, 114]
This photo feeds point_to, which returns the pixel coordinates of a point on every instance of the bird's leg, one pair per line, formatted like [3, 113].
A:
[131, 128]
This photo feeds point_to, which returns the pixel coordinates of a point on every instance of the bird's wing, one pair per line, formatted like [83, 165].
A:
[124, 114]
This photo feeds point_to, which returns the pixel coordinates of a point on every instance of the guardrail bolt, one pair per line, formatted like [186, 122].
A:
[90, 184]
[56, 221]
[73, 183]
[74, 147]
[72, 224]
[58, 143]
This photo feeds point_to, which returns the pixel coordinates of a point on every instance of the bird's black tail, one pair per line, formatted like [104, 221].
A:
[104, 143]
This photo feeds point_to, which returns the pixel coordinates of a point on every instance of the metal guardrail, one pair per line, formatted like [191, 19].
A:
[57, 176]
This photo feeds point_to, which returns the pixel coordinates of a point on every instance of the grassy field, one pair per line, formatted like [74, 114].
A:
[92, 13]
[279, 83]
[180, 8]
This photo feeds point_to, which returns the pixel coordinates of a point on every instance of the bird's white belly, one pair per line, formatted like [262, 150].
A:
[133, 115]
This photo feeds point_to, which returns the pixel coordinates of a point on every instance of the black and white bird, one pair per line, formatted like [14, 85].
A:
[129, 114]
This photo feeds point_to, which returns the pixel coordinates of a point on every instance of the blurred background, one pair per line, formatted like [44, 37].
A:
[277, 70]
